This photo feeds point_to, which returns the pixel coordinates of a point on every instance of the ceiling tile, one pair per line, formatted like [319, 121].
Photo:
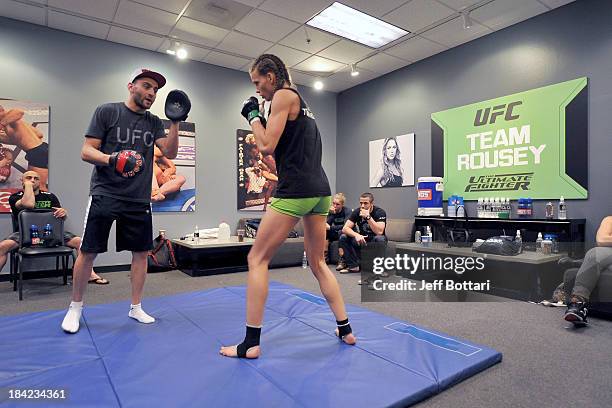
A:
[265, 25]
[346, 51]
[556, 3]
[500, 13]
[374, 8]
[302, 78]
[104, 10]
[318, 39]
[134, 38]
[459, 4]
[296, 10]
[193, 53]
[452, 33]
[23, 12]
[244, 45]
[220, 13]
[252, 3]
[145, 18]
[319, 64]
[288, 55]
[224, 60]
[415, 49]
[382, 63]
[197, 32]
[77, 25]
[344, 75]
[419, 14]
[173, 6]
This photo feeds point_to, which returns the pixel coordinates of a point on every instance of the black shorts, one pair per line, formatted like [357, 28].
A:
[15, 236]
[134, 225]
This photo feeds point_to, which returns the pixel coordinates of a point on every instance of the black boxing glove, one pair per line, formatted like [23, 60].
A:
[126, 163]
[250, 111]
[177, 106]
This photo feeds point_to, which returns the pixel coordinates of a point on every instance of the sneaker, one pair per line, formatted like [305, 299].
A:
[350, 270]
[341, 265]
[576, 313]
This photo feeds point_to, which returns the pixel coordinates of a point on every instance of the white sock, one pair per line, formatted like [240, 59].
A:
[137, 313]
[73, 317]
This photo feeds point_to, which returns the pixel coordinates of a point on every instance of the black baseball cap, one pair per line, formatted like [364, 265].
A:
[147, 73]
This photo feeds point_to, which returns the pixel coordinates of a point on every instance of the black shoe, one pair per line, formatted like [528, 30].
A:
[576, 313]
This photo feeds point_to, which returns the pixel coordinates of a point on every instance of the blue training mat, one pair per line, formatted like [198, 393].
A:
[114, 361]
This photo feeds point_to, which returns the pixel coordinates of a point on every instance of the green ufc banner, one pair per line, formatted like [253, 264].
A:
[529, 144]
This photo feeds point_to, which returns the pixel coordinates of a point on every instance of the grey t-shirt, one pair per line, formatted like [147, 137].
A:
[120, 128]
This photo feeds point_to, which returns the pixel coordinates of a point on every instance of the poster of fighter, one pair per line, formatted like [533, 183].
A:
[173, 187]
[24, 145]
[257, 177]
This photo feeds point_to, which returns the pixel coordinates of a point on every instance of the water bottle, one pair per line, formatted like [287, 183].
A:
[550, 211]
[562, 209]
[479, 208]
[304, 261]
[47, 234]
[196, 234]
[34, 237]
[518, 239]
[539, 242]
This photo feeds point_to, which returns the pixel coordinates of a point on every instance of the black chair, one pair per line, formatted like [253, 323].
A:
[40, 218]
[13, 256]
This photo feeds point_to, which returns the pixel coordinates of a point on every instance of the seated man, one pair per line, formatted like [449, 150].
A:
[596, 260]
[31, 198]
[337, 216]
[370, 221]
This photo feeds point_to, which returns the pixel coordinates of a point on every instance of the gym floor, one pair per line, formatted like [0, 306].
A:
[545, 363]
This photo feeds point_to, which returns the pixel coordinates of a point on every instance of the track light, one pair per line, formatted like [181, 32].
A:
[181, 53]
[354, 70]
[467, 21]
[178, 51]
[318, 85]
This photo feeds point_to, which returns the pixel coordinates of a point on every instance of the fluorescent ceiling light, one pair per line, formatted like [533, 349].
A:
[357, 26]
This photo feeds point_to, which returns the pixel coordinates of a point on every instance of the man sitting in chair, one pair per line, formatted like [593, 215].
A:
[31, 197]
[596, 260]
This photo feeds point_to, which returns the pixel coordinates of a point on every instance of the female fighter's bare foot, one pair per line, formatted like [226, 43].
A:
[231, 351]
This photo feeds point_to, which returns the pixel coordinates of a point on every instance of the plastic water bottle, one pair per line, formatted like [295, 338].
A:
[196, 235]
[224, 232]
[562, 209]
[47, 233]
[304, 261]
[550, 211]
[34, 237]
[519, 240]
[479, 208]
[539, 242]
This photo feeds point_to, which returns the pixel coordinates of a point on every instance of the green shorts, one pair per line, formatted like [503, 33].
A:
[299, 207]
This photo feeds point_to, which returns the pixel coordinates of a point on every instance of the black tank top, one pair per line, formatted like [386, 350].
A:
[298, 158]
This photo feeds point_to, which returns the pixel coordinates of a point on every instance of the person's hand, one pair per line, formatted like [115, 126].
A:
[28, 183]
[59, 212]
[360, 239]
[332, 209]
[363, 213]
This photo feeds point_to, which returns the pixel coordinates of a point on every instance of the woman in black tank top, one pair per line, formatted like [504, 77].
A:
[291, 134]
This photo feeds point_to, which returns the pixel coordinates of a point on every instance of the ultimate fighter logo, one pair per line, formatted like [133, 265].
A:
[500, 182]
